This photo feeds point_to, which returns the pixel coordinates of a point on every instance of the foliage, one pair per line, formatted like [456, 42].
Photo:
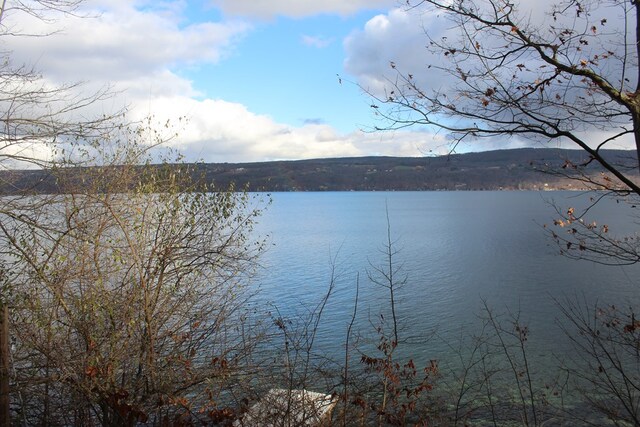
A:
[129, 306]
[581, 238]
[37, 116]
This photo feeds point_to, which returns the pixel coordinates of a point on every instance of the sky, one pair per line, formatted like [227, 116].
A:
[255, 80]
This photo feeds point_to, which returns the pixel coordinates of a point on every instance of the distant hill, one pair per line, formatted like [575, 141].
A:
[491, 170]
[515, 169]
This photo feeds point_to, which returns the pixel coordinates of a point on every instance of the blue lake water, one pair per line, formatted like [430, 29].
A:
[456, 250]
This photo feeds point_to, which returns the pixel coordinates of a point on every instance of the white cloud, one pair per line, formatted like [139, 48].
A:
[397, 37]
[138, 50]
[135, 51]
[221, 131]
[401, 37]
[122, 43]
[297, 8]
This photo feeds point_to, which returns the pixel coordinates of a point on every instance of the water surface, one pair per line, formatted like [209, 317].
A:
[457, 249]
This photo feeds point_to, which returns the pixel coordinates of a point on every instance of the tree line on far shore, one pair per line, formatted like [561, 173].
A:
[514, 169]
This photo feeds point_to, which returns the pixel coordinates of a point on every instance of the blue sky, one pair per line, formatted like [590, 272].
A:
[256, 79]
[288, 68]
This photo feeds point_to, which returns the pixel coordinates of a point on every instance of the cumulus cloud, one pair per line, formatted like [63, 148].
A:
[297, 8]
[401, 37]
[397, 41]
[122, 43]
[138, 52]
[135, 50]
[398, 38]
[221, 131]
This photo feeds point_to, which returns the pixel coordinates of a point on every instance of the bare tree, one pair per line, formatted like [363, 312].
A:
[572, 76]
[36, 119]
[129, 293]
[401, 387]
[36, 115]
[605, 364]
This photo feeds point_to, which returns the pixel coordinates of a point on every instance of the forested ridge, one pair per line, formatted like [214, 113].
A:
[514, 169]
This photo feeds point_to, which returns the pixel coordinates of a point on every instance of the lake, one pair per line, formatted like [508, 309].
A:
[456, 249]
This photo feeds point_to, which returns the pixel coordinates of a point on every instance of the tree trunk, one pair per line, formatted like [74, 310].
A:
[636, 134]
[5, 418]
[636, 110]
